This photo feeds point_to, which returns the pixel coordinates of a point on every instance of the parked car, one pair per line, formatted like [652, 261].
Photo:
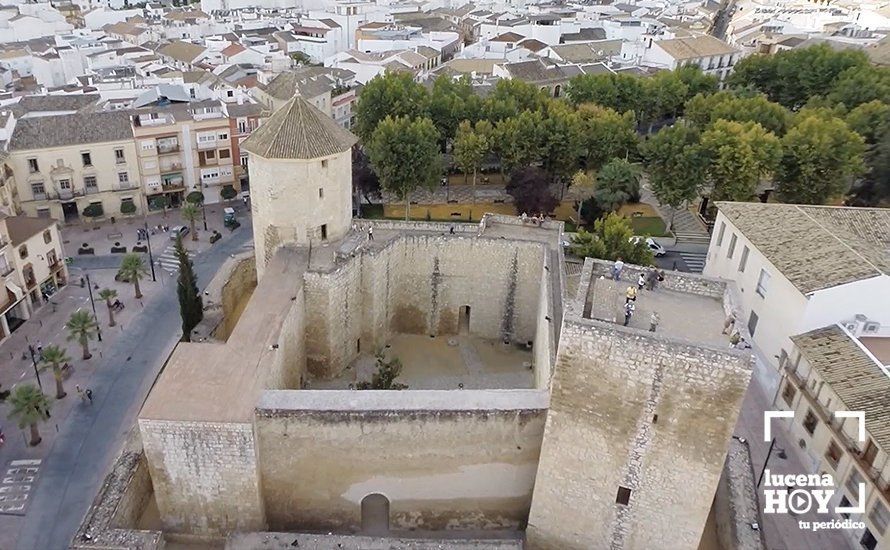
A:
[180, 230]
[656, 249]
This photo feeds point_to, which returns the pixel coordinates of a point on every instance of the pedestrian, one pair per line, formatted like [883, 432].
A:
[630, 295]
[727, 324]
[653, 321]
[651, 279]
[641, 281]
[735, 339]
[370, 232]
[354, 227]
[89, 394]
[39, 349]
[617, 268]
[628, 312]
[80, 392]
[451, 229]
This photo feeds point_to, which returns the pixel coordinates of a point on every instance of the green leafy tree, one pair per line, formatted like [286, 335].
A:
[617, 183]
[53, 358]
[606, 134]
[696, 81]
[519, 140]
[663, 96]
[385, 377]
[159, 202]
[389, 95]
[29, 407]
[562, 140]
[82, 328]
[620, 92]
[191, 306]
[133, 269]
[405, 156]
[191, 213]
[676, 165]
[861, 84]
[581, 189]
[530, 189]
[470, 148]
[819, 158]
[128, 207]
[874, 188]
[364, 180]
[195, 197]
[791, 77]
[301, 58]
[739, 155]
[610, 240]
[870, 120]
[452, 101]
[228, 193]
[109, 294]
[703, 110]
[510, 97]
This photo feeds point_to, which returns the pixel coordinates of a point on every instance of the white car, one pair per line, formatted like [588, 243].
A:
[656, 249]
[180, 230]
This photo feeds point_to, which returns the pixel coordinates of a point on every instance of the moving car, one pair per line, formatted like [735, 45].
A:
[657, 249]
[180, 230]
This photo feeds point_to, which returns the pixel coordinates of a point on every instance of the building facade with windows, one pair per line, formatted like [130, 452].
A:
[76, 167]
[799, 268]
[832, 369]
[32, 268]
[184, 147]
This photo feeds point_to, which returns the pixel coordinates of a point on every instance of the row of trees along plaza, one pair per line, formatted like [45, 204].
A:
[813, 122]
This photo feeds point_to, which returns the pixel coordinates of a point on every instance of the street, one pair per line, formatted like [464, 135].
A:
[91, 436]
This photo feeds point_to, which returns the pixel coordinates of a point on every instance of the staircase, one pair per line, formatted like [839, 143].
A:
[686, 226]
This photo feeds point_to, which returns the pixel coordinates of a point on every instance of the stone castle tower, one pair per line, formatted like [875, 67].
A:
[300, 179]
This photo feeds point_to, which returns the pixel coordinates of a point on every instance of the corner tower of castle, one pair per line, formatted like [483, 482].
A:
[300, 179]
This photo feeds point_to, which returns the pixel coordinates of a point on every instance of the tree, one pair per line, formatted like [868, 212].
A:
[228, 193]
[301, 58]
[195, 197]
[620, 92]
[819, 157]
[191, 213]
[510, 97]
[191, 306]
[389, 95]
[53, 357]
[93, 210]
[562, 141]
[128, 207]
[696, 81]
[82, 328]
[875, 187]
[663, 96]
[133, 269]
[385, 377]
[29, 406]
[159, 202]
[676, 165]
[791, 77]
[703, 110]
[870, 120]
[470, 148]
[606, 134]
[364, 180]
[530, 189]
[617, 183]
[519, 140]
[405, 156]
[861, 84]
[611, 239]
[738, 155]
[581, 189]
[109, 294]
[452, 101]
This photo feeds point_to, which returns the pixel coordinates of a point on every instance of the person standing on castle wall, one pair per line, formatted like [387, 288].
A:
[727, 324]
[630, 295]
[653, 321]
[641, 281]
[628, 312]
[370, 232]
[651, 279]
[617, 268]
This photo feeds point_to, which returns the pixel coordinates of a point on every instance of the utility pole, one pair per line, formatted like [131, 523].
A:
[36, 371]
[151, 259]
[98, 324]
[204, 207]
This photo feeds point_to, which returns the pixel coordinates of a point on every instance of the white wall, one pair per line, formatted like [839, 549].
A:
[870, 297]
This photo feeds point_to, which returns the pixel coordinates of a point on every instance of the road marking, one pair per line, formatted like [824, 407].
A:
[17, 482]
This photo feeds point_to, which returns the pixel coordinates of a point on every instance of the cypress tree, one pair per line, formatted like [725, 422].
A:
[191, 307]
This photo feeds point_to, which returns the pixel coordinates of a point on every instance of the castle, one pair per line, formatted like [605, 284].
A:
[532, 415]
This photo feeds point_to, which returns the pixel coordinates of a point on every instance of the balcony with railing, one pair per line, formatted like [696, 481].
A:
[172, 183]
[836, 427]
[170, 166]
[206, 144]
[66, 194]
[91, 189]
[167, 146]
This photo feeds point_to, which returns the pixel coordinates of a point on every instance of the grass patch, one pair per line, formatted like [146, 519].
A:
[649, 225]
[372, 211]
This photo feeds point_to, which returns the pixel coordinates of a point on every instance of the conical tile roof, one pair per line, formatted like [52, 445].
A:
[298, 130]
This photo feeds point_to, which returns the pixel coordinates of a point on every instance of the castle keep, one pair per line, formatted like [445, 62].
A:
[529, 409]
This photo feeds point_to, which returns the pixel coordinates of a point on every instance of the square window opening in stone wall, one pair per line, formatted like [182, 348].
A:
[752, 323]
[833, 454]
[324, 231]
[789, 393]
[623, 496]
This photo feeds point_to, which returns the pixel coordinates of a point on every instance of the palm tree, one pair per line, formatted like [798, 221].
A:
[191, 213]
[82, 327]
[53, 357]
[133, 269]
[109, 294]
[29, 406]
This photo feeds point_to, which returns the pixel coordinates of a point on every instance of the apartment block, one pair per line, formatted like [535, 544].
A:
[835, 369]
[76, 167]
[184, 147]
[32, 268]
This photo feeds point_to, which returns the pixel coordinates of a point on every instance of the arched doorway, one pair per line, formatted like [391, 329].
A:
[375, 514]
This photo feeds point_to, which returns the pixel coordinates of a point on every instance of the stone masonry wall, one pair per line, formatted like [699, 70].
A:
[417, 284]
[689, 283]
[633, 410]
[445, 460]
[217, 461]
[736, 503]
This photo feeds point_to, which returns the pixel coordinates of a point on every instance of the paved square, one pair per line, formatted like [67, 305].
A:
[18, 479]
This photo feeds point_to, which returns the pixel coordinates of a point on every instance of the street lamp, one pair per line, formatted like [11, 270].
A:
[151, 259]
[781, 454]
[90, 288]
[203, 206]
[36, 371]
